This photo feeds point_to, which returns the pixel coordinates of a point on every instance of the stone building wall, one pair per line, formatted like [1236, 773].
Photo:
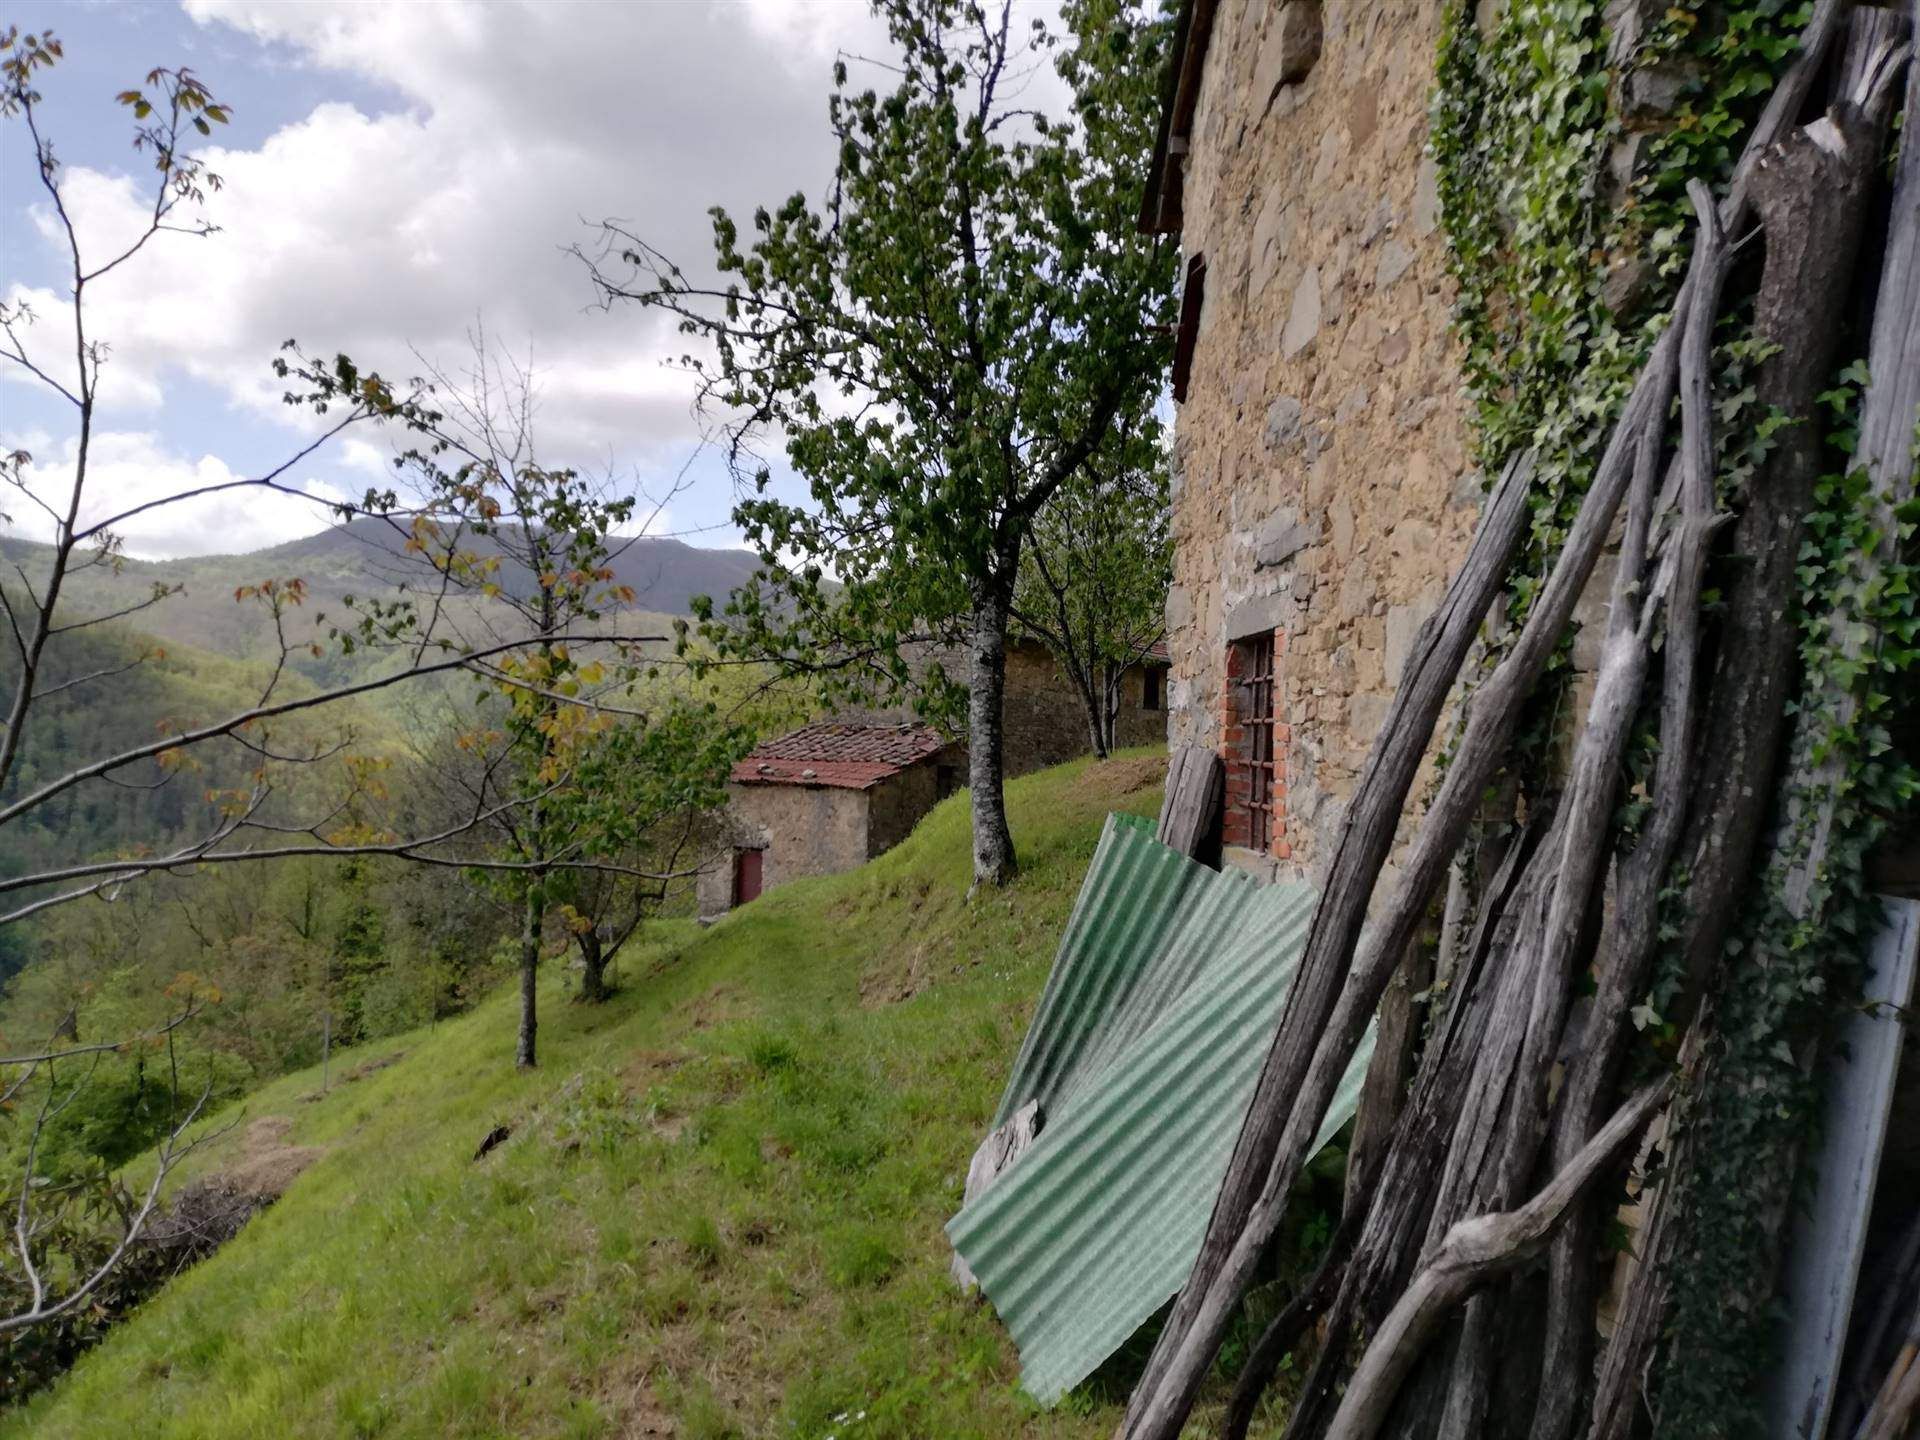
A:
[1046, 722]
[821, 829]
[803, 830]
[895, 806]
[1323, 492]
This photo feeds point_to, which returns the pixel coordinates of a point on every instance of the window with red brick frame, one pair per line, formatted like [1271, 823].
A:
[1255, 798]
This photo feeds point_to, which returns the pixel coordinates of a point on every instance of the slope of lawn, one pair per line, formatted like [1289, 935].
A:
[718, 1213]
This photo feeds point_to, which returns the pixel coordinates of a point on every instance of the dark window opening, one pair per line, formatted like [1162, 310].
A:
[747, 874]
[1192, 296]
[946, 780]
[1153, 689]
[1256, 757]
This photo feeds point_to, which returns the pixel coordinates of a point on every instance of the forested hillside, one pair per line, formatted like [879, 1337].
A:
[364, 559]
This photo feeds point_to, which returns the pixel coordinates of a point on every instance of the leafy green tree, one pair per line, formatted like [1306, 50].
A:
[1093, 582]
[940, 344]
[647, 790]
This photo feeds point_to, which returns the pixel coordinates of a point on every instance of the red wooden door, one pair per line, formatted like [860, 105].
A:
[746, 875]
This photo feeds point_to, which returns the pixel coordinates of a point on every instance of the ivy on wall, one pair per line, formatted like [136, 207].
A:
[1795, 964]
[1562, 168]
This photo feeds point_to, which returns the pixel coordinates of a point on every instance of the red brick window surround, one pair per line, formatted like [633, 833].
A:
[1255, 747]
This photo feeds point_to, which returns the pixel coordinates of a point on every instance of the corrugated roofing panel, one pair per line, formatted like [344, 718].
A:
[1144, 1053]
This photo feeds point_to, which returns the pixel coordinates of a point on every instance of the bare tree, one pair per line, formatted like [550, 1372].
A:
[419, 636]
[70, 1233]
[514, 640]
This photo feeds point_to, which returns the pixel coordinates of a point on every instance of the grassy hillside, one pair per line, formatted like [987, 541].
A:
[719, 1212]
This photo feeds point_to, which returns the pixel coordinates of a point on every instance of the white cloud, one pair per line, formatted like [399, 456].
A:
[127, 469]
[521, 124]
[381, 234]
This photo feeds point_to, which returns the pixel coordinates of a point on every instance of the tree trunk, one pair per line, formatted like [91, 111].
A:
[532, 919]
[1838, 160]
[1398, 1199]
[1396, 1045]
[1471, 1135]
[1490, 1150]
[593, 966]
[993, 857]
[1115, 696]
[1325, 1015]
[1088, 682]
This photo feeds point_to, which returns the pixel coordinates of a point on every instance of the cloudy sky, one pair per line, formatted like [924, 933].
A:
[396, 173]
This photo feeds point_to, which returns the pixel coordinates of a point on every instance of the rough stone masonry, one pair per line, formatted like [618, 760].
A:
[1322, 488]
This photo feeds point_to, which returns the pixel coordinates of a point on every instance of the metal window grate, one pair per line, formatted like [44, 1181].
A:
[1257, 723]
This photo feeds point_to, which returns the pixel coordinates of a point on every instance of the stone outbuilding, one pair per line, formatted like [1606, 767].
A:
[1322, 490]
[1045, 721]
[832, 795]
[822, 799]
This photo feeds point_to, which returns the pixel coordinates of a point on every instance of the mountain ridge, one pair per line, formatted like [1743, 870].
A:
[364, 556]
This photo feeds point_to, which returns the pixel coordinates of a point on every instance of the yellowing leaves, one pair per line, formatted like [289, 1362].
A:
[276, 594]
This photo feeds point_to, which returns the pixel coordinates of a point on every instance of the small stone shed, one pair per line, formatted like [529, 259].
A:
[825, 798]
[1043, 719]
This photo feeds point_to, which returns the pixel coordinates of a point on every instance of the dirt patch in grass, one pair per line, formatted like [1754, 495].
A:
[643, 1418]
[646, 1066]
[716, 1007]
[899, 977]
[368, 1067]
[1116, 779]
[267, 1164]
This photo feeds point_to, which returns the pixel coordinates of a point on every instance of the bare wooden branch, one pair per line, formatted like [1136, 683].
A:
[1475, 1251]
[1811, 226]
[1190, 811]
[1593, 1072]
[1898, 1404]
[1812, 197]
[48, 1304]
[252, 716]
[1338, 988]
[1888, 412]
[1366, 838]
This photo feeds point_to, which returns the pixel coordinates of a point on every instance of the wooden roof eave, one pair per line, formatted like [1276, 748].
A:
[1160, 206]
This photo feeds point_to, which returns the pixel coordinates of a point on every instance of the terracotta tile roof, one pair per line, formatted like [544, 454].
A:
[850, 757]
[1158, 651]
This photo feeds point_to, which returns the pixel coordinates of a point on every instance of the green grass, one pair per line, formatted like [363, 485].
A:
[719, 1212]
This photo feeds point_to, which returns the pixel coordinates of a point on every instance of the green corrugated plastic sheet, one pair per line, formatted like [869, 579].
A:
[1162, 1003]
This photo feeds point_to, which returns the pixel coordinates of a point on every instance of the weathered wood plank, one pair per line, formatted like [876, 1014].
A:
[1823, 1261]
[1161, 1402]
[1474, 1251]
[1190, 810]
[1894, 347]
[1003, 1145]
